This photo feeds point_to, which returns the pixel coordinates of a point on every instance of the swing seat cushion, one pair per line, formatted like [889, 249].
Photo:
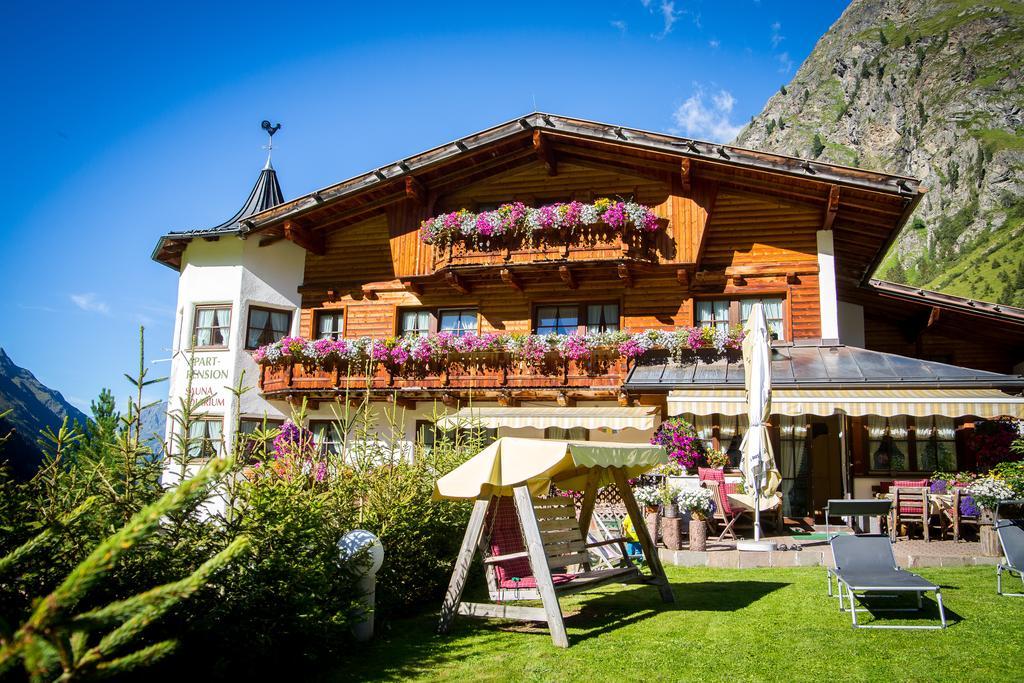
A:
[531, 582]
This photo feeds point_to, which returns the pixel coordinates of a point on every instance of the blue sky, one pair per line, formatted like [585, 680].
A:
[125, 120]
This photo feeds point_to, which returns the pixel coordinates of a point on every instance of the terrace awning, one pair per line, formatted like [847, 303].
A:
[541, 417]
[856, 402]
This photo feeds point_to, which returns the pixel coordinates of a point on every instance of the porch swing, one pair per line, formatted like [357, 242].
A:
[533, 545]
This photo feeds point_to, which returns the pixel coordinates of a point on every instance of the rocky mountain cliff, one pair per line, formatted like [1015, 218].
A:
[932, 89]
[34, 406]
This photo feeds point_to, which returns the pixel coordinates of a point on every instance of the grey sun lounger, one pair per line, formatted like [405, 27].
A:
[866, 567]
[1011, 537]
[851, 507]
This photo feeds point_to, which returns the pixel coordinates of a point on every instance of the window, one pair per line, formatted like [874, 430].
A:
[571, 434]
[557, 319]
[326, 436]
[427, 433]
[602, 318]
[713, 314]
[936, 444]
[266, 326]
[414, 323]
[794, 463]
[772, 313]
[330, 324]
[205, 438]
[458, 321]
[251, 446]
[724, 313]
[888, 446]
[211, 327]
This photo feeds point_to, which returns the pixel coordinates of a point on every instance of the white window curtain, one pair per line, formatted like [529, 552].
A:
[458, 322]
[772, 313]
[704, 425]
[713, 313]
[793, 465]
[325, 436]
[731, 429]
[415, 323]
[205, 438]
[331, 325]
[267, 327]
[571, 434]
[602, 318]
[212, 326]
[891, 453]
[936, 443]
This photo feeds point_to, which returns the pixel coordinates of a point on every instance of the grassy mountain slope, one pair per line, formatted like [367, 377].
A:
[932, 89]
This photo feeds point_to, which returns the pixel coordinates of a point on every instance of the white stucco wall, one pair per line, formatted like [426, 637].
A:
[851, 324]
[827, 285]
[243, 274]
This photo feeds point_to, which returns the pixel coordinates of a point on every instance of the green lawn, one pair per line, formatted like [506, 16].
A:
[747, 624]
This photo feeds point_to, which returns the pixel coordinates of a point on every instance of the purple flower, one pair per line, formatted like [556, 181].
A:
[968, 508]
[938, 486]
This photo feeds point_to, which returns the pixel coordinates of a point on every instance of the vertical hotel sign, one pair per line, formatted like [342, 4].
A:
[209, 375]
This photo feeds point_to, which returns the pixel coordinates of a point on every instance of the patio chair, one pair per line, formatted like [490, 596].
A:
[606, 547]
[865, 567]
[1011, 537]
[725, 515]
[955, 517]
[910, 506]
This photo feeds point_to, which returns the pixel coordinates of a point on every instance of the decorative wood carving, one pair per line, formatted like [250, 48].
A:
[511, 279]
[545, 152]
[686, 175]
[625, 275]
[457, 283]
[568, 278]
[832, 208]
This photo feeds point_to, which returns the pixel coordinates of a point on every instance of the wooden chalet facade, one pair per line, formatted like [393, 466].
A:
[734, 226]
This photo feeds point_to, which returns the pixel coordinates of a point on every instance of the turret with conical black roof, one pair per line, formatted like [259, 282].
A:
[266, 194]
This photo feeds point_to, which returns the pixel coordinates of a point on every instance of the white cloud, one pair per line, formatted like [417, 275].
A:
[669, 16]
[785, 63]
[714, 44]
[777, 36]
[89, 302]
[697, 119]
[619, 24]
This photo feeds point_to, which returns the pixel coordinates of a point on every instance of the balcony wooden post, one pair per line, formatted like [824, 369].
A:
[289, 375]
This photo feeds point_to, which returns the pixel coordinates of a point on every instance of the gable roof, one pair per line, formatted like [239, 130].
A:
[869, 207]
[265, 194]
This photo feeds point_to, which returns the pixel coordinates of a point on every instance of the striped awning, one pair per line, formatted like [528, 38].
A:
[541, 417]
[857, 402]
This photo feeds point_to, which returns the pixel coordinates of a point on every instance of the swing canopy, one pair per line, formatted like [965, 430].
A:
[512, 461]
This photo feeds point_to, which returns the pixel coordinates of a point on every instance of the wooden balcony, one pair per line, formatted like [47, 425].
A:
[603, 373]
[593, 243]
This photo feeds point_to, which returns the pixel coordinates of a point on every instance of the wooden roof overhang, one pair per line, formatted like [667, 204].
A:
[865, 209]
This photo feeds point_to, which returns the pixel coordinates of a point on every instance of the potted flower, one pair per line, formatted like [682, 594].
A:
[648, 498]
[699, 503]
[668, 494]
[716, 458]
[680, 440]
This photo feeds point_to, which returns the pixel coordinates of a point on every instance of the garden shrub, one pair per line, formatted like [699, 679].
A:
[288, 601]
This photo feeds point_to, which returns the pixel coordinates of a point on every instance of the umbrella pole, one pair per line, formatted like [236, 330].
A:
[757, 508]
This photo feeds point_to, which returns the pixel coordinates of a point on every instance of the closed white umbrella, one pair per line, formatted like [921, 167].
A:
[758, 464]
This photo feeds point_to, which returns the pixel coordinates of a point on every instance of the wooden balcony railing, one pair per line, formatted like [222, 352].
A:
[482, 371]
[592, 243]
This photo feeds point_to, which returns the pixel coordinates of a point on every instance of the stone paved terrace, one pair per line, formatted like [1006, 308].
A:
[909, 553]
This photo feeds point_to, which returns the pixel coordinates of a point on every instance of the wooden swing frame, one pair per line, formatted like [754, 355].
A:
[547, 552]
